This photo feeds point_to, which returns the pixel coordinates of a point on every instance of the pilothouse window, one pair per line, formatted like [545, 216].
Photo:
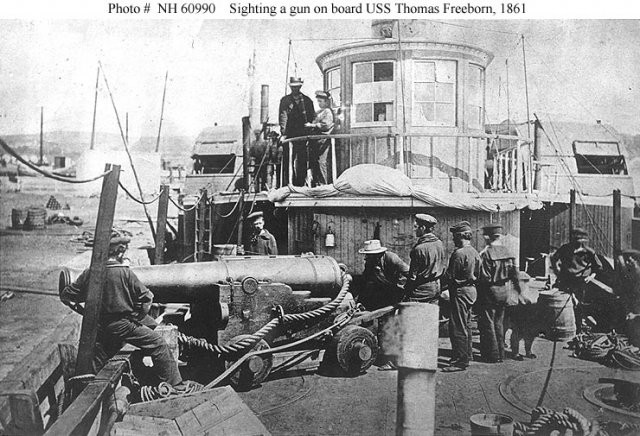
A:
[434, 93]
[599, 158]
[373, 92]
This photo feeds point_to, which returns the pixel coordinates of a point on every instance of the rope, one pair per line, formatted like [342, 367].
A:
[131, 196]
[165, 390]
[245, 344]
[45, 173]
[232, 210]
[189, 208]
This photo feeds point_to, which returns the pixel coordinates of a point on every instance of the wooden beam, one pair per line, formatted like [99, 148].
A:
[161, 224]
[25, 413]
[97, 271]
[81, 415]
[617, 222]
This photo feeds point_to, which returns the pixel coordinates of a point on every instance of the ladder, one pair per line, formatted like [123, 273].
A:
[202, 229]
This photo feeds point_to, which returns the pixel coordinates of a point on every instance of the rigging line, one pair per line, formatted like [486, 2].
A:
[255, 194]
[232, 210]
[126, 148]
[506, 32]
[232, 179]
[164, 93]
[130, 195]
[190, 208]
[45, 173]
[95, 107]
[286, 79]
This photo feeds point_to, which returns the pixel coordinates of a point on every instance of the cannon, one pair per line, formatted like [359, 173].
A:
[242, 306]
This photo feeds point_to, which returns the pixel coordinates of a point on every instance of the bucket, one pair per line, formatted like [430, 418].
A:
[35, 218]
[491, 424]
[224, 250]
[556, 312]
[18, 217]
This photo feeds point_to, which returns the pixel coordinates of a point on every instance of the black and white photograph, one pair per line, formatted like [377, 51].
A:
[244, 219]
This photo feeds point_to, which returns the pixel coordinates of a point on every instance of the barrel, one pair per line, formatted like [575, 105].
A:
[182, 282]
[556, 312]
[18, 217]
[484, 424]
[35, 218]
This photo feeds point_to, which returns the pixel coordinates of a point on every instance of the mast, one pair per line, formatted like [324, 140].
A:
[164, 93]
[526, 86]
[40, 162]
[95, 107]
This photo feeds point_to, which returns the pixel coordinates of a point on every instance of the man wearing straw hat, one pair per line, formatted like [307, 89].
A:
[262, 242]
[427, 262]
[461, 276]
[123, 317]
[384, 275]
[296, 109]
[497, 271]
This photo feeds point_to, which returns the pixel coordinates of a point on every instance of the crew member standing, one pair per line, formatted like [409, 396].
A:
[262, 242]
[427, 262]
[461, 276]
[573, 263]
[497, 271]
[322, 124]
[296, 109]
[384, 276]
[123, 317]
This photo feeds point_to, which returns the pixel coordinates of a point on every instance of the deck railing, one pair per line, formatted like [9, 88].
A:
[511, 169]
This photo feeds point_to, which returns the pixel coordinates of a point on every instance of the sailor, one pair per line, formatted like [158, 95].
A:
[124, 315]
[384, 275]
[497, 271]
[461, 277]
[295, 110]
[427, 262]
[573, 264]
[262, 242]
[322, 124]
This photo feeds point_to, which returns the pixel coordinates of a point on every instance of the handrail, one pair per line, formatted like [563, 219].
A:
[413, 135]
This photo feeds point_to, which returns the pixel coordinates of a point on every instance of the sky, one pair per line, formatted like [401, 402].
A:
[580, 70]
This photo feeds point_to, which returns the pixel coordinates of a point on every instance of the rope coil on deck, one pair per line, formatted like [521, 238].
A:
[245, 344]
[165, 390]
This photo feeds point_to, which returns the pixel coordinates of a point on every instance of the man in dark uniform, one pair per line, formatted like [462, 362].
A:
[384, 276]
[123, 318]
[296, 109]
[461, 277]
[497, 271]
[573, 263]
[262, 242]
[427, 262]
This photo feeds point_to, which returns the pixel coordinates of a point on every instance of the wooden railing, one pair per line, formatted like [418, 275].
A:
[512, 167]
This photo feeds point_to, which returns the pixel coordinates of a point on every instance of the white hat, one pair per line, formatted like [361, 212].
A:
[372, 246]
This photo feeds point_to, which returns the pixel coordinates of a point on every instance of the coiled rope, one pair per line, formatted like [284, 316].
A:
[165, 390]
[246, 343]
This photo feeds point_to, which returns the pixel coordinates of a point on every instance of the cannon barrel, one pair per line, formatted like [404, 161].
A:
[182, 282]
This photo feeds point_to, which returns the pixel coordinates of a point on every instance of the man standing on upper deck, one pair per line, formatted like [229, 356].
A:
[427, 262]
[296, 109]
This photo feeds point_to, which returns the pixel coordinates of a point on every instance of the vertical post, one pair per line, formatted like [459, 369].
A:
[291, 163]
[416, 351]
[572, 210]
[41, 162]
[617, 222]
[334, 164]
[95, 109]
[400, 148]
[161, 224]
[97, 271]
[518, 168]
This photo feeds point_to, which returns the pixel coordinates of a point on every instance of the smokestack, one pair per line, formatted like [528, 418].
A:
[264, 104]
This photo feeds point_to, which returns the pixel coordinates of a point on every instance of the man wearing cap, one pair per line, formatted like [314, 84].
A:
[262, 242]
[427, 262]
[573, 263]
[322, 124]
[498, 270]
[461, 277]
[384, 276]
[123, 317]
[296, 109]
